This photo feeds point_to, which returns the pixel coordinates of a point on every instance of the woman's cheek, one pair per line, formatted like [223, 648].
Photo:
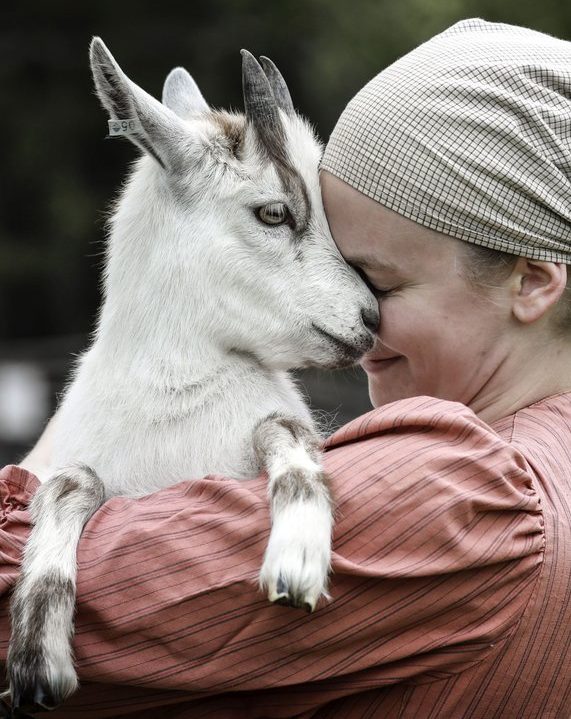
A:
[395, 316]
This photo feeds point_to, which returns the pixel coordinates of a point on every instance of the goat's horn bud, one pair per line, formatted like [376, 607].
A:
[278, 85]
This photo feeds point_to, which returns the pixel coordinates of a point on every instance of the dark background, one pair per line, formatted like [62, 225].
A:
[59, 173]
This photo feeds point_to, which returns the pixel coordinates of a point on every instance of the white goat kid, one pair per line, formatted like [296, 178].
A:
[221, 275]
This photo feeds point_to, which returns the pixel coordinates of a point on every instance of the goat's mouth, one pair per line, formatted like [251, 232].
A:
[346, 353]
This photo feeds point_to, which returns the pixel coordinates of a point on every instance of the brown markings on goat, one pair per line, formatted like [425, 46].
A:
[79, 480]
[272, 145]
[277, 427]
[301, 433]
[53, 593]
[296, 189]
[64, 485]
[296, 484]
[233, 127]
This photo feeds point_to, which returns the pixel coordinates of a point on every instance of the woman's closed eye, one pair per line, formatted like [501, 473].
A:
[381, 292]
[378, 290]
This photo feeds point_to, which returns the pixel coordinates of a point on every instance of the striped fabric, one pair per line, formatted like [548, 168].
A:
[450, 591]
[470, 135]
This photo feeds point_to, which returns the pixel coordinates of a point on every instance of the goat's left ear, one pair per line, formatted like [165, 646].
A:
[138, 116]
[181, 94]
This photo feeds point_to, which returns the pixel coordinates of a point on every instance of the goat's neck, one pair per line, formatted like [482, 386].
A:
[156, 361]
[153, 322]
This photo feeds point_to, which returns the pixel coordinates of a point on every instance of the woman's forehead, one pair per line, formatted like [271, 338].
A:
[373, 237]
[345, 205]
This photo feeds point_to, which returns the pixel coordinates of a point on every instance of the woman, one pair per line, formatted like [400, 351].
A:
[447, 182]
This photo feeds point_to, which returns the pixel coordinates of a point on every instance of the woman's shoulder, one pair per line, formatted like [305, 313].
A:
[414, 414]
[451, 429]
[429, 480]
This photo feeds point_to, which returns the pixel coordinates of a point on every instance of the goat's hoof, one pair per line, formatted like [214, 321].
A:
[32, 691]
[6, 712]
[286, 597]
[280, 595]
[33, 696]
[296, 564]
[39, 681]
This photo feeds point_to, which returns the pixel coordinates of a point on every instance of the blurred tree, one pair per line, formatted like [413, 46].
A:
[59, 174]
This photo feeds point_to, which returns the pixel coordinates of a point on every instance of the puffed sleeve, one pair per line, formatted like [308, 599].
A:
[438, 543]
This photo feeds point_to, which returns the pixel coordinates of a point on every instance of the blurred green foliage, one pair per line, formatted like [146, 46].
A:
[59, 174]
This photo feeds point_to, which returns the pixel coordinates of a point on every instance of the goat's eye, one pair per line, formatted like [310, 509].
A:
[276, 213]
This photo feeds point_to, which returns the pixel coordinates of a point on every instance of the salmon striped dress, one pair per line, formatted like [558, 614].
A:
[450, 589]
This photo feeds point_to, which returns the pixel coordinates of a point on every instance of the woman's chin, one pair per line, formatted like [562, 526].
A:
[381, 393]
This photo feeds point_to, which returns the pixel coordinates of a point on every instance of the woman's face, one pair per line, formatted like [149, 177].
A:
[438, 335]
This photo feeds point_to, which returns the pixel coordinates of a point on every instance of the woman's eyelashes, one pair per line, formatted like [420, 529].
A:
[377, 289]
[380, 292]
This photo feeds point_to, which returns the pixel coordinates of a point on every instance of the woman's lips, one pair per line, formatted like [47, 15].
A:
[371, 365]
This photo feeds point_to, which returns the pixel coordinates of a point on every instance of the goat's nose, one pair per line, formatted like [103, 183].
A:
[370, 319]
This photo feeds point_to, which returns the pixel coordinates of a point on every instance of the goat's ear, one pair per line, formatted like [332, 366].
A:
[152, 127]
[181, 94]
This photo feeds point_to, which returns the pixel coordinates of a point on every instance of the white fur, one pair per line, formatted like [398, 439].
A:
[152, 399]
[301, 529]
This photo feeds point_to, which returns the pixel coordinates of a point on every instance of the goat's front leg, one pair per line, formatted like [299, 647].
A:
[297, 559]
[40, 662]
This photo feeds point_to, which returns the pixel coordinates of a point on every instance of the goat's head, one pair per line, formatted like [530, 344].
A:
[221, 226]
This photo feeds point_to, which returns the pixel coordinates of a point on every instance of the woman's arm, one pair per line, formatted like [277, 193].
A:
[436, 525]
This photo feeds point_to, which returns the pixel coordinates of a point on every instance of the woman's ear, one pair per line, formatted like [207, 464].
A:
[538, 286]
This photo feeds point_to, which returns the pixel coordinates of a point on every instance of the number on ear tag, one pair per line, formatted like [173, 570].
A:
[123, 127]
